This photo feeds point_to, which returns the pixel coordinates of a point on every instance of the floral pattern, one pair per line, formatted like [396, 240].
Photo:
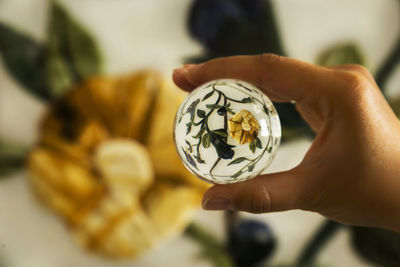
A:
[105, 162]
[201, 127]
[243, 127]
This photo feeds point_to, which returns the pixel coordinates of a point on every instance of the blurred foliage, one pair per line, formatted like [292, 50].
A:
[395, 105]
[12, 158]
[318, 241]
[73, 54]
[301, 265]
[378, 246]
[211, 248]
[48, 69]
[388, 66]
[347, 53]
[25, 60]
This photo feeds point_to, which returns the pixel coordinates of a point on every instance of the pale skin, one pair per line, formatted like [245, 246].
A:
[350, 174]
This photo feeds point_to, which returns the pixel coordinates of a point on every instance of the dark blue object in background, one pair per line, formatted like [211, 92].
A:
[250, 242]
[232, 27]
[242, 27]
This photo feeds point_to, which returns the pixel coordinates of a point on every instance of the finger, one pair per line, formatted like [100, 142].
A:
[282, 78]
[266, 193]
[357, 69]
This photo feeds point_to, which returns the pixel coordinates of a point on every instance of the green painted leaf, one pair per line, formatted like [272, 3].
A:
[192, 108]
[25, 61]
[213, 106]
[230, 110]
[244, 87]
[206, 140]
[201, 113]
[200, 133]
[257, 143]
[236, 175]
[188, 127]
[221, 132]
[237, 161]
[246, 100]
[73, 44]
[251, 167]
[189, 146]
[199, 159]
[252, 147]
[12, 158]
[189, 158]
[208, 95]
[347, 53]
[266, 109]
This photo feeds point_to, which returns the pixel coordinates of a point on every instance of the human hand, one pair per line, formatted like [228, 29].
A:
[351, 171]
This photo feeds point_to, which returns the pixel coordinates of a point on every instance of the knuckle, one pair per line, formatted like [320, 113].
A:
[355, 83]
[263, 60]
[358, 69]
[261, 201]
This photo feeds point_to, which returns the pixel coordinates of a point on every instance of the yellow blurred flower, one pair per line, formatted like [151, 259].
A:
[243, 127]
[106, 163]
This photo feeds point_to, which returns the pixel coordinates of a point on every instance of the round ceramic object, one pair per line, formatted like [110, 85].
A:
[227, 131]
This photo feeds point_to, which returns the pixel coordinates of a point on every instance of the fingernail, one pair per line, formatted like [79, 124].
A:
[180, 75]
[218, 203]
[179, 72]
[180, 78]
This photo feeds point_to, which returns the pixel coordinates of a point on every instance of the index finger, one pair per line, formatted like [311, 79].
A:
[281, 78]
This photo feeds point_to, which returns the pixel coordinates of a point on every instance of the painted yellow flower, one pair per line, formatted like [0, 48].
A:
[106, 163]
[243, 127]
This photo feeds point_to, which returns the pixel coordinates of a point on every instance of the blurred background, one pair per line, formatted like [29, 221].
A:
[60, 59]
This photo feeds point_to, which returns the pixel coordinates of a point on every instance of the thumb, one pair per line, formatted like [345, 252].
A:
[266, 193]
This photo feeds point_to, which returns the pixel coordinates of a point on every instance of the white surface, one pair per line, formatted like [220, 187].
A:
[138, 33]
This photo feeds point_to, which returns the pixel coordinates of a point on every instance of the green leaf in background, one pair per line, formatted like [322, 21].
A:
[211, 248]
[348, 53]
[388, 66]
[378, 246]
[395, 105]
[75, 49]
[25, 60]
[58, 76]
[12, 157]
[301, 265]
[71, 55]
